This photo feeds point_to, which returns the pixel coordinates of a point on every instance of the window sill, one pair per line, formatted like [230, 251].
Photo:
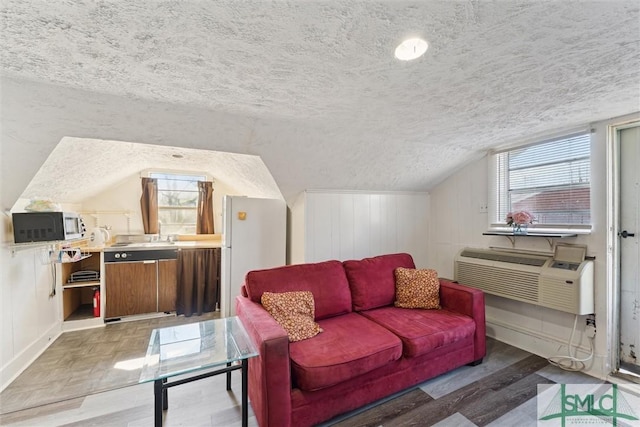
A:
[541, 231]
[558, 235]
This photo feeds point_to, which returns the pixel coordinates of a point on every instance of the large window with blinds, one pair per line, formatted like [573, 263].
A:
[551, 180]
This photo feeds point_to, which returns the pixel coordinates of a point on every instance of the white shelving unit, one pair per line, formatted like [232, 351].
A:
[51, 245]
[77, 297]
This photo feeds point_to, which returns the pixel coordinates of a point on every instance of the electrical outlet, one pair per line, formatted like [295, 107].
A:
[483, 208]
[590, 331]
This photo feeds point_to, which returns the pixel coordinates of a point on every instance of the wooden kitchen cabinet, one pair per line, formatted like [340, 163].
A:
[131, 288]
[167, 284]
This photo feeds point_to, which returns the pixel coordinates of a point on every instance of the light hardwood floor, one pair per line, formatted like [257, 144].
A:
[499, 392]
[86, 362]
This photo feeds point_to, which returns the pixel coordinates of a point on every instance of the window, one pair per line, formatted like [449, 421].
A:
[177, 202]
[551, 180]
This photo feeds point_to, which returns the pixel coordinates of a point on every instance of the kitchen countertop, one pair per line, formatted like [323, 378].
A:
[199, 244]
[182, 244]
[196, 244]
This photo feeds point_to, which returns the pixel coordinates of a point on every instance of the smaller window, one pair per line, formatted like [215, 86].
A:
[177, 202]
[551, 180]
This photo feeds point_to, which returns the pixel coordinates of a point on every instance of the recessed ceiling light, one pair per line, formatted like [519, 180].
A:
[411, 49]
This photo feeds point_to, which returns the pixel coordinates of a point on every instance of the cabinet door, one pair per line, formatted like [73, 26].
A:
[131, 288]
[167, 284]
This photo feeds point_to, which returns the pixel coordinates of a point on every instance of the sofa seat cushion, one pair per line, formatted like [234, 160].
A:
[372, 280]
[422, 331]
[350, 345]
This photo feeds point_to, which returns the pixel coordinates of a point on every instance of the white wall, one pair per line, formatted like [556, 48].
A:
[295, 230]
[29, 318]
[456, 222]
[353, 225]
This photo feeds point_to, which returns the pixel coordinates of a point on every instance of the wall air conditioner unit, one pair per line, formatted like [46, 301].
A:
[562, 282]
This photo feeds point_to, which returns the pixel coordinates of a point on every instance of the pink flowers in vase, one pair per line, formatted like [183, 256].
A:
[519, 220]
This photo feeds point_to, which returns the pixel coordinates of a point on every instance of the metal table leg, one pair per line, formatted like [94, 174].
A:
[165, 395]
[245, 400]
[228, 378]
[157, 404]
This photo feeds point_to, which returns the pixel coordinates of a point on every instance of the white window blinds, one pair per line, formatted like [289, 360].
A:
[551, 180]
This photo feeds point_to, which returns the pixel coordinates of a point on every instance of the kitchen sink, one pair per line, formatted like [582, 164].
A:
[120, 245]
[150, 244]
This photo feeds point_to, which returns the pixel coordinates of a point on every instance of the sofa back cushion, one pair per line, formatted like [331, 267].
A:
[372, 280]
[325, 280]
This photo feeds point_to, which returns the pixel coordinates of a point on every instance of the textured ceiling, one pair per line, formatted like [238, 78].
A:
[312, 86]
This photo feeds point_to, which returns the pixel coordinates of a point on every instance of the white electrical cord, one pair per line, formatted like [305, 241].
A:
[570, 362]
[54, 279]
[46, 258]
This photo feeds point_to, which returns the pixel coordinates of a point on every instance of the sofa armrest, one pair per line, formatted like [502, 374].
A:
[269, 372]
[468, 301]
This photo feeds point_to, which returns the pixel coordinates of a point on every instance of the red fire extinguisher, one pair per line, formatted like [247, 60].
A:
[96, 303]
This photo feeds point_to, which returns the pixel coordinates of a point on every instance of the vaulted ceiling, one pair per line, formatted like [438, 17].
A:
[311, 87]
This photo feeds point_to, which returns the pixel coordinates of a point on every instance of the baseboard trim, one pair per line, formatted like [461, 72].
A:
[543, 344]
[17, 365]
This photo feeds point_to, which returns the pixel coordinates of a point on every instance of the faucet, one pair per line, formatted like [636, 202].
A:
[159, 230]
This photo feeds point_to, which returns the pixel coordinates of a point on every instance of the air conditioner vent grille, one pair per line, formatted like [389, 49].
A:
[514, 284]
[558, 294]
[508, 258]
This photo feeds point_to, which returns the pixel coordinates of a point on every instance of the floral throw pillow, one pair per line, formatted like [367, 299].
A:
[417, 288]
[294, 311]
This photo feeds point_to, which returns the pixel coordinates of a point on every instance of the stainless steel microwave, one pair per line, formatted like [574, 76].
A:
[46, 226]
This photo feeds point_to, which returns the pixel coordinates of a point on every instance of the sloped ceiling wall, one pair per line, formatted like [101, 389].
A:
[82, 167]
[312, 87]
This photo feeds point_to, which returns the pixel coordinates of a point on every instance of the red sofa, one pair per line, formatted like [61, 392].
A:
[368, 349]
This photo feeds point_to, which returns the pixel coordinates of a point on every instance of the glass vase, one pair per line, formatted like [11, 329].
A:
[520, 229]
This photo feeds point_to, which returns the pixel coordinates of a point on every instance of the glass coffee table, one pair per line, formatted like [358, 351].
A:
[188, 349]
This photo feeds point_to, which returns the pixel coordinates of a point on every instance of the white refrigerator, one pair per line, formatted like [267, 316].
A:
[253, 237]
